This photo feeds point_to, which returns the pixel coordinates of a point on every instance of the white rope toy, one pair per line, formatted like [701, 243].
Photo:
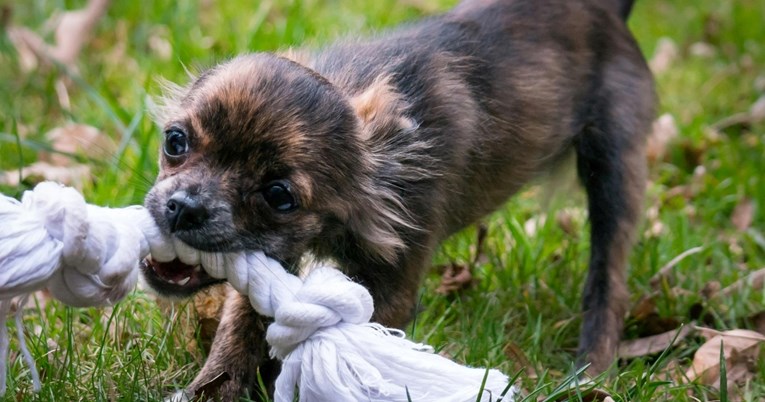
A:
[88, 255]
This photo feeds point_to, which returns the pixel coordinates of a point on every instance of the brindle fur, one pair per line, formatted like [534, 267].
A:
[394, 143]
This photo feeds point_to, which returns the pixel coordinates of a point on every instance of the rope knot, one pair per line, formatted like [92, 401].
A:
[326, 298]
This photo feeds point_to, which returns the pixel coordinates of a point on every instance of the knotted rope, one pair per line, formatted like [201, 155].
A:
[87, 255]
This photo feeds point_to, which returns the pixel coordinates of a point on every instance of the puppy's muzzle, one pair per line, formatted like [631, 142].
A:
[184, 211]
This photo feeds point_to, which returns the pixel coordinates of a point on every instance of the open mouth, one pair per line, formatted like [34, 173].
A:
[174, 278]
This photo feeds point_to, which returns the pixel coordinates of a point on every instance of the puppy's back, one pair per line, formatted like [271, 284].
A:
[499, 88]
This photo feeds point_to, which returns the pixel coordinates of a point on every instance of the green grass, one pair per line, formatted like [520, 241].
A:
[528, 289]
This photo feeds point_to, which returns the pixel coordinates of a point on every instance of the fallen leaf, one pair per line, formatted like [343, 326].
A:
[515, 354]
[702, 49]
[159, 44]
[743, 120]
[72, 32]
[456, 277]
[532, 225]
[60, 166]
[208, 305]
[77, 139]
[28, 45]
[757, 110]
[653, 344]
[74, 176]
[738, 347]
[644, 307]
[664, 56]
[743, 214]
[32, 301]
[481, 232]
[663, 132]
[570, 220]
[753, 281]
[710, 289]
[756, 322]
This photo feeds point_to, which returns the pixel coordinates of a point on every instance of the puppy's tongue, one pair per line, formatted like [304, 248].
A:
[173, 271]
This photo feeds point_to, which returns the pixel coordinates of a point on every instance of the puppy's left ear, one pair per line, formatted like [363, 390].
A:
[393, 157]
[381, 111]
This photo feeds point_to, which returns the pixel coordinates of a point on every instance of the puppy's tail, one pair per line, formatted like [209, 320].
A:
[623, 7]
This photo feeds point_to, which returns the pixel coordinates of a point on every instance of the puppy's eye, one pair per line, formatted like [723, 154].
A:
[278, 196]
[176, 143]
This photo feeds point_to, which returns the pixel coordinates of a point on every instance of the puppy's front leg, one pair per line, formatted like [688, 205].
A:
[394, 285]
[241, 351]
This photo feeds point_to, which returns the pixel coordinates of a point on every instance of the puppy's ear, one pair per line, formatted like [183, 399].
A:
[381, 111]
[395, 158]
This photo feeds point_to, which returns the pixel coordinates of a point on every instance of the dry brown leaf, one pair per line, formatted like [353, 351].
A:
[702, 49]
[482, 231]
[757, 110]
[738, 347]
[753, 281]
[77, 139]
[73, 30]
[532, 225]
[74, 176]
[665, 54]
[159, 44]
[208, 304]
[34, 300]
[710, 290]
[755, 114]
[456, 277]
[28, 45]
[570, 220]
[515, 354]
[644, 307]
[663, 132]
[757, 322]
[73, 139]
[653, 344]
[743, 214]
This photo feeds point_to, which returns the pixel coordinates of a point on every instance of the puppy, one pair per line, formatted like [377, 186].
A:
[372, 152]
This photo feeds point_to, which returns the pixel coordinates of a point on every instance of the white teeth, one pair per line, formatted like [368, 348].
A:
[183, 281]
[197, 269]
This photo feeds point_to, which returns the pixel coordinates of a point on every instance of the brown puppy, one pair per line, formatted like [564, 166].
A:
[371, 153]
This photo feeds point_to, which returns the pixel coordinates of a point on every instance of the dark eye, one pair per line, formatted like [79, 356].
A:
[176, 143]
[278, 196]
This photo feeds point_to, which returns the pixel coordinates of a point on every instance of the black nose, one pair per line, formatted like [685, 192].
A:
[184, 212]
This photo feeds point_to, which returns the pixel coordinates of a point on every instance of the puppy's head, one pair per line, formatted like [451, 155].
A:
[261, 153]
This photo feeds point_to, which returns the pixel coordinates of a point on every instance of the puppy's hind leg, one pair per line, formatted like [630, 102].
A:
[611, 165]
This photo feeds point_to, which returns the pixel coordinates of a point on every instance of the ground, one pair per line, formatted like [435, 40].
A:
[521, 313]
